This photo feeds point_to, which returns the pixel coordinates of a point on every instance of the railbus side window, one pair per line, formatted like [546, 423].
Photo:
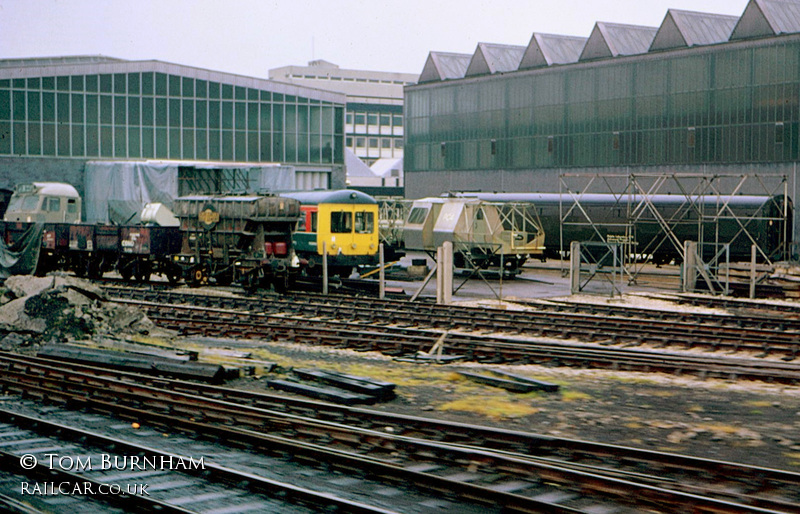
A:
[341, 222]
[365, 222]
[417, 215]
[72, 206]
[313, 221]
[53, 204]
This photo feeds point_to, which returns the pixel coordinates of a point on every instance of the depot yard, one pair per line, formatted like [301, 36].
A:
[743, 421]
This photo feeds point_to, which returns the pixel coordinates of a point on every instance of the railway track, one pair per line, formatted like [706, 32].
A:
[473, 465]
[745, 314]
[408, 342]
[591, 323]
[58, 466]
[743, 307]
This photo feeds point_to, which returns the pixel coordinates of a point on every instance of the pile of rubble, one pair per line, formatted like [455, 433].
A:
[35, 310]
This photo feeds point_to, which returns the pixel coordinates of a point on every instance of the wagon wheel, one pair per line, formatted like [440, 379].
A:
[224, 278]
[81, 269]
[43, 266]
[93, 270]
[125, 270]
[142, 272]
[199, 276]
[173, 274]
[250, 282]
[281, 283]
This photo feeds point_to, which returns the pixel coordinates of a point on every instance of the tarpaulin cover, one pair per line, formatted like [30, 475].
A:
[272, 178]
[24, 256]
[116, 192]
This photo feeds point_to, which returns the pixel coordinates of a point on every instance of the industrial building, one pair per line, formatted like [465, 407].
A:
[73, 119]
[373, 119]
[701, 94]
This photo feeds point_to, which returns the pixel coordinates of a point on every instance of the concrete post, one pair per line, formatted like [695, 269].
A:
[575, 267]
[439, 272]
[502, 272]
[753, 252]
[381, 275]
[689, 282]
[324, 268]
[447, 273]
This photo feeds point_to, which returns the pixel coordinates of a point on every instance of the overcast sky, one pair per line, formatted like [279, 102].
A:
[249, 37]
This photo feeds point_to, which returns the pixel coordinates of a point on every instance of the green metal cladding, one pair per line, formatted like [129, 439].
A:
[154, 115]
[735, 102]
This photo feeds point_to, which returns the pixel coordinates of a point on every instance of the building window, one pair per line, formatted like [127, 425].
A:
[397, 120]
[385, 120]
[348, 118]
[398, 144]
[372, 119]
[349, 142]
[373, 142]
[360, 118]
[779, 133]
[360, 141]
[690, 139]
[386, 143]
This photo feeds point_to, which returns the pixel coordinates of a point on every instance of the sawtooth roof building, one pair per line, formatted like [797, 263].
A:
[702, 93]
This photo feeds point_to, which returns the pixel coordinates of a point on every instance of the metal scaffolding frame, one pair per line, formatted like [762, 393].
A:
[210, 181]
[714, 272]
[634, 192]
[392, 212]
[523, 226]
[590, 261]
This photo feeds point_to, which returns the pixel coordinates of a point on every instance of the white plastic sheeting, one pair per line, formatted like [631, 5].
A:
[116, 192]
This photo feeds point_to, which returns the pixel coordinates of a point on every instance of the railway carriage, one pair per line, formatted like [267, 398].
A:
[346, 221]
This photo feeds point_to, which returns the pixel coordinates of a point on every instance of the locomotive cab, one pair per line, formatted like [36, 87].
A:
[345, 221]
[47, 202]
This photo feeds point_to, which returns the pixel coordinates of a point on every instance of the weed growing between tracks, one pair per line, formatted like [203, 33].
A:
[750, 422]
[490, 407]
